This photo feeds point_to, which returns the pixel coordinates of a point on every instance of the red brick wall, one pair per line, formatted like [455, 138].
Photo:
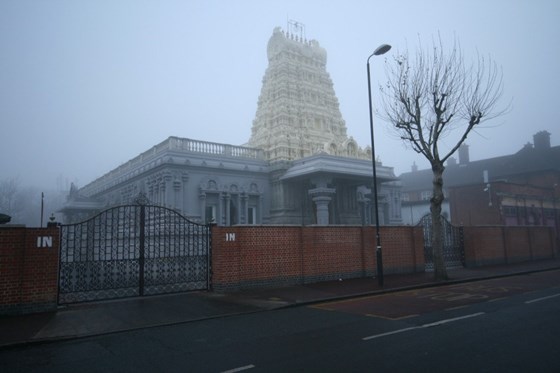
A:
[403, 249]
[334, 253]
[28, 273]
[245, 257]
[542, 242]
[518, 244]
[256, 256]
[486, 245]
[264, 256]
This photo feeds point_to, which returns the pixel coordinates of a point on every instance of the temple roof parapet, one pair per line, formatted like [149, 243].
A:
[338, 167]
[161, 153]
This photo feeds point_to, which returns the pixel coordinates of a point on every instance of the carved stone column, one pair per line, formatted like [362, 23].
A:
[364, 203]
[202, 197]
[185, 191]
[227, 205]
[244, 208]
[161, 193]
[167, 190]
[177, 195]
[322, 197]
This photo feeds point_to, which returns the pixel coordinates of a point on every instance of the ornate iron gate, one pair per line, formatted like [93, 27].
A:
[453, 248]
[133, 250]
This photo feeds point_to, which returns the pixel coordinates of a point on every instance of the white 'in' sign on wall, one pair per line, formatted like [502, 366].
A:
[44, 241]
[230, 236]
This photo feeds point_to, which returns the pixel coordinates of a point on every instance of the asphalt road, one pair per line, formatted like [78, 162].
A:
[510, 324]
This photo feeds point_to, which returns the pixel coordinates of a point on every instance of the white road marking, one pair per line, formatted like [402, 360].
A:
[390, 333]
[437, 323]
[240, 369]
[543, 298]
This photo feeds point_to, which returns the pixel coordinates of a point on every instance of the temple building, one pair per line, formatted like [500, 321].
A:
[298, 167]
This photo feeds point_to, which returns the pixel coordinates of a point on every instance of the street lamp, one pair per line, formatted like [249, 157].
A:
[382, 49]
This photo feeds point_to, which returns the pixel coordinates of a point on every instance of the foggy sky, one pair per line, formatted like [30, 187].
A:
[87, 85]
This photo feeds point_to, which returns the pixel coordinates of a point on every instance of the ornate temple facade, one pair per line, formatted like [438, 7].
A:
[298, 167]
[202, 180]
[298, 113]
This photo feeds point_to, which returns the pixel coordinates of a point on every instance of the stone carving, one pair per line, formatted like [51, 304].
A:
[298, 112]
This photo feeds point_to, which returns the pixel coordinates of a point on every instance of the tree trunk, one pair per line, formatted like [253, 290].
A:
[440, 272]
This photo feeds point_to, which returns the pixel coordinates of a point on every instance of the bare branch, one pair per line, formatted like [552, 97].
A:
[432, 96]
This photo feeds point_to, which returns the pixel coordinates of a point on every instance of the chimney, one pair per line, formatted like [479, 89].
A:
[451, 161]
[464, 154]
[541, 140]
[414, 167]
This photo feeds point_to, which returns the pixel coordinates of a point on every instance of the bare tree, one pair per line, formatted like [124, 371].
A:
[8, 195]
[23, 203]
[437, 96]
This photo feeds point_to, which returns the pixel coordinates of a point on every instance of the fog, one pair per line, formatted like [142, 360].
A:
[87, 85]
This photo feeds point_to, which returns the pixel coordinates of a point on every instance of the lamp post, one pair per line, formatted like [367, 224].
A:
[382, 49]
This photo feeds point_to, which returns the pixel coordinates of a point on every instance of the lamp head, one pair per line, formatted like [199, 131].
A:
[382, 49]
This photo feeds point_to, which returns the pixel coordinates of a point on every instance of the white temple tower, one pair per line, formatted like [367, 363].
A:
[298, 112]
[301, 167]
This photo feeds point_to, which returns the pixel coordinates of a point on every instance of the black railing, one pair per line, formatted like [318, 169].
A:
[452, 239]
[133, 250]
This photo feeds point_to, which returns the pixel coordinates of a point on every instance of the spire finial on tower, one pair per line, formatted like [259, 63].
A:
[297, 29]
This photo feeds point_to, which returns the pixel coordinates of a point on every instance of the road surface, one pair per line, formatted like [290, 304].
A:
[509, 324]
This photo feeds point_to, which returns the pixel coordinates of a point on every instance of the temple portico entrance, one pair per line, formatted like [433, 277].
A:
[331, 190]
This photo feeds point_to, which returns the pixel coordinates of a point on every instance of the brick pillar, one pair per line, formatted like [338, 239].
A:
[29, 260]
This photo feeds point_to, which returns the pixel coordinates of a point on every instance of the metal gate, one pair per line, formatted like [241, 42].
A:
[132, 250]
[453, 248]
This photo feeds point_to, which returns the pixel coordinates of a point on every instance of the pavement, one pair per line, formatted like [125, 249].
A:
[97, 318]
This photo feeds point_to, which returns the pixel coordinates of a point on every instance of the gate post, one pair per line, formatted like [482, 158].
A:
[141, 249]
[29, 260]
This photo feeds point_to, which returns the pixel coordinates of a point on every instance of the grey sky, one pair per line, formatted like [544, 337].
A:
[87, 85]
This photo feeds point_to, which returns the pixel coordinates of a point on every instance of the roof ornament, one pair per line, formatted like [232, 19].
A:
[297, 29]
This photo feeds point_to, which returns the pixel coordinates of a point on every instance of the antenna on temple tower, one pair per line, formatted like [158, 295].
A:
[296, 28]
